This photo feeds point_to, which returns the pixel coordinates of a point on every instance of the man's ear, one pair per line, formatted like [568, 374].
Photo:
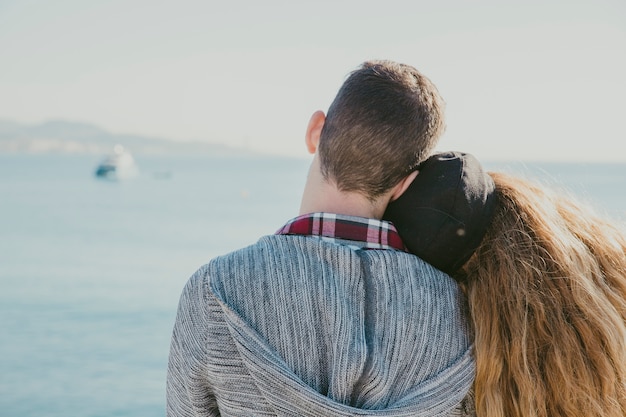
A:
[314, 130]
[403, 185]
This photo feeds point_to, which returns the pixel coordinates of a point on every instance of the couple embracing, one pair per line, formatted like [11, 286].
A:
[411, 284]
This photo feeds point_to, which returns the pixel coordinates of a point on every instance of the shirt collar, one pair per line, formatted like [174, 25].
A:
[356, 231]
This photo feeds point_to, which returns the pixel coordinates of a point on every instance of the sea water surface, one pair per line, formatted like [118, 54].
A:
[91, 271]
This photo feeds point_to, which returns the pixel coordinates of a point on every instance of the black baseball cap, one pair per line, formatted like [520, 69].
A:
[444, 214]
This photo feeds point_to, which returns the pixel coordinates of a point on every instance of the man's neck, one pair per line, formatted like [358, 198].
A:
[322, 195]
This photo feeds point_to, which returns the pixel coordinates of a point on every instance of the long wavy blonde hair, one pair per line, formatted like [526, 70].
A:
[547, 296]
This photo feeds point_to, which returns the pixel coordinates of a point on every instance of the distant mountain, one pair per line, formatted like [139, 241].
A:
[60, 136]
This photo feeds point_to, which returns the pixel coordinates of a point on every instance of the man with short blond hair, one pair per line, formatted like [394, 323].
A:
[331, 316]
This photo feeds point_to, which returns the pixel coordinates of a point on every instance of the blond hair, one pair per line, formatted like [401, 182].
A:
[547, 296]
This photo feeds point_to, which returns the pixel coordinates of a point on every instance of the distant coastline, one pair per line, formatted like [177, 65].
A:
[66, 137]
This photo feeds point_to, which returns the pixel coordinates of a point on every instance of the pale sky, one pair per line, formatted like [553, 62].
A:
[534, 80]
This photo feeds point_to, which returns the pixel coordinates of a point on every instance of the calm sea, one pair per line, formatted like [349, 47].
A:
[91, 271]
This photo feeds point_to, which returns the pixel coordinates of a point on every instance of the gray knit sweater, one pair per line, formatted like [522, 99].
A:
[294, 326]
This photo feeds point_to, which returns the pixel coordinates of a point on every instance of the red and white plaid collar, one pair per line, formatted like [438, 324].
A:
[354, 231]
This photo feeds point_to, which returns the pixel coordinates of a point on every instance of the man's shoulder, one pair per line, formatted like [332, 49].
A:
[274, 251]
[294, 245]
[264, 251]
[405, 264]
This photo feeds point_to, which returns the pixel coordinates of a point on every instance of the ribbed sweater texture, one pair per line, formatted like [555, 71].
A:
[294, 326]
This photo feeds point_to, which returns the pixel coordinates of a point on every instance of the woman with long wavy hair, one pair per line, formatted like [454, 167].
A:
[545, 283]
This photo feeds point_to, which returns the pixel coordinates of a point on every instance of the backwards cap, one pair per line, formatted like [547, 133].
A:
[444, 214]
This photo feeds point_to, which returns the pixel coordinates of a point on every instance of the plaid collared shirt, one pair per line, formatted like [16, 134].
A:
[356, 232]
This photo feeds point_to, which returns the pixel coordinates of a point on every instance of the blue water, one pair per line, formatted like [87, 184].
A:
[91, 271]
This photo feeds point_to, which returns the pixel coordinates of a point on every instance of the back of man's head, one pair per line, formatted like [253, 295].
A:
[386, 119]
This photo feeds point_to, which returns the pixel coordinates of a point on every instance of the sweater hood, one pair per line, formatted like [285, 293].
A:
[342, 370]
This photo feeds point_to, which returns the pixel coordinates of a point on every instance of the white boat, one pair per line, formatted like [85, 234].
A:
[117, 166]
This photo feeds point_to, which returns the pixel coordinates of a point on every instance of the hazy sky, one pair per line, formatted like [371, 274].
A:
[522, 80]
